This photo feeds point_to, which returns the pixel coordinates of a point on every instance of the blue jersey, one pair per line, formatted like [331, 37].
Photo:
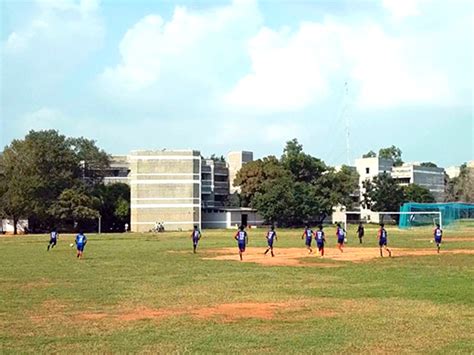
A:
[319, 236]
[308, 232]
[383, 234]
[54, 235]
[340, 232]
[81, 239]
[241, 235]
[271, 235]
[438, 233]
[196, 234]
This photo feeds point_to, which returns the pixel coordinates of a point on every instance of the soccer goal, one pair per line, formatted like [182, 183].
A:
[405, 219]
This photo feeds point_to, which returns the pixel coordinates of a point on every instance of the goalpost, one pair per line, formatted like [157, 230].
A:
[414, 213]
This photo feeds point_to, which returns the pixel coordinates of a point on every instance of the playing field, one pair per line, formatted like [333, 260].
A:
[149, 293]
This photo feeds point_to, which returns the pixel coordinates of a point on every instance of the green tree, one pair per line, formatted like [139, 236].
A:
[393, 153]
[252, 175]
[74, 206]
[382, 194]
[417, 193]
[461, 188]
[429, 164]
[114, 205]
[302, 166]
[92, 161]
[36, 170]
[369, 154]
[276, 202]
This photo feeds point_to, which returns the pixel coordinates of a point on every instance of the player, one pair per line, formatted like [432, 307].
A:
[308, 234]
[360, 232]
[81, 241]
[271, 236]
[438, 235]
[341, 236]
[320, 240]
[53, 239]
[382, 235]
[242, 239]
[195, 235]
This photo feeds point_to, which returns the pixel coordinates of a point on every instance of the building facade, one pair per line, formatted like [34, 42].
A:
[431, 178]
[165, 187]
[179, 189]
[235, 161]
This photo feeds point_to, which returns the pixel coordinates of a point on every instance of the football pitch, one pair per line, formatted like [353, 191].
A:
[149, 293]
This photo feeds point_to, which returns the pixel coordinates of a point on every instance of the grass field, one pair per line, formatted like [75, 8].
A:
[149, 293]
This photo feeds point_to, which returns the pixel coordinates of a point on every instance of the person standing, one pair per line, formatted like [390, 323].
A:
[81, 241]
[360, 232]
[438, 235]
[320, 240]
[382, 235]
[341, 236]
[308, 234]
[196, 236]
[242, 240]
[53, 239]
[271, 236]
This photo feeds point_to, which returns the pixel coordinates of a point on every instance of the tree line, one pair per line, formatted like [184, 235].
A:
[54, 180]
[298, 188]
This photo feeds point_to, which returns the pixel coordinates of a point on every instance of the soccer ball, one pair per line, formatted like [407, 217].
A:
[71, 245]
[431, 241]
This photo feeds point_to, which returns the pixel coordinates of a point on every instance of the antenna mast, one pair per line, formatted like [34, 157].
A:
[346, 104]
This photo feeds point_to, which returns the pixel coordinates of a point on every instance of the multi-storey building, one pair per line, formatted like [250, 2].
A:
[165, 187]
[180, 189]
[431, 178]
[235, 161]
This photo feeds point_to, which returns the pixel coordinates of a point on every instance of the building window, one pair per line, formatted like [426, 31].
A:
[367, 170]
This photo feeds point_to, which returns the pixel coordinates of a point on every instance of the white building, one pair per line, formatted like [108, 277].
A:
[235, 161]
[453, 171]
[368, 168]
[431, 178]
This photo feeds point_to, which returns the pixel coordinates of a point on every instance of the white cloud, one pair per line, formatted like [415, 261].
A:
[402, 8]
[192, 47]
[43, 118]
[293, 70]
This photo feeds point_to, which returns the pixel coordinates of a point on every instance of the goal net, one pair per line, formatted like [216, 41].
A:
[418, 214]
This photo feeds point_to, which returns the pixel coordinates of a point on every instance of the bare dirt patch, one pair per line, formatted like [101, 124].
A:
[41, 283]
[455, 239]
[226, 312]
[297, 256]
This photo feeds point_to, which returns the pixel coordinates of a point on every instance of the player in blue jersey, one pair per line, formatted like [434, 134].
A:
[242, 239]
[438, 235]
[53, 238]
[195, 235]
[271, 237]
[382, 235]
[320, 239]
[81, 241]
[341, 236]
[308, 236]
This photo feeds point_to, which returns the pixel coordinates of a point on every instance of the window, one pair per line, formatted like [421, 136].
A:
[367, 170]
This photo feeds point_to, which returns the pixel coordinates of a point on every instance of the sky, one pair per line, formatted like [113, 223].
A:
[342, 76]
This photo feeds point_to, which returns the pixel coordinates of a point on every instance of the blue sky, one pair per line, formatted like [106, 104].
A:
[229, 75]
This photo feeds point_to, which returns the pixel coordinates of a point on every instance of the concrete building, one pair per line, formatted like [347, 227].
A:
[214, 183]
[230, 218]
[179, 189]
[166, 188]
[119, 170]
[431, 178]
[368, 168]
[235, 161]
